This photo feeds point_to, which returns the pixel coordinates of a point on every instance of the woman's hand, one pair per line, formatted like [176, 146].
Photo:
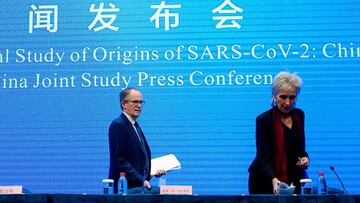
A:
[275, 183]
[303, 162]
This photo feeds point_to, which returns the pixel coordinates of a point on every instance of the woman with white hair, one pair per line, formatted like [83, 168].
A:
[280, 140]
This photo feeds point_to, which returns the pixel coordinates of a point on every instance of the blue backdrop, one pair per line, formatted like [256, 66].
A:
[205, 69]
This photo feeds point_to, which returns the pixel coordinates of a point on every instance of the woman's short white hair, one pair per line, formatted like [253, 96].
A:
[286, 80]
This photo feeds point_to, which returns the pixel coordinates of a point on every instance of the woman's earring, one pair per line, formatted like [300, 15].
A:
[273, 102]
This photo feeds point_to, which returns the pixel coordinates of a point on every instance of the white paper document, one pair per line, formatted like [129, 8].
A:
[167, 162]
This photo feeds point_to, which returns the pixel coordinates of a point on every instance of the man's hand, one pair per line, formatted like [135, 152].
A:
[147, 184]
[160, 172]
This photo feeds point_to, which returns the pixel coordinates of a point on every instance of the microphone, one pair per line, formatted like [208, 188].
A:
[333, 170]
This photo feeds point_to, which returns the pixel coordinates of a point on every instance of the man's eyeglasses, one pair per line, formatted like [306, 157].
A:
[290, 97]
[136, 102]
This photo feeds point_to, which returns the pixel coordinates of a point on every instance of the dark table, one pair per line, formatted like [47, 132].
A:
[74, 198]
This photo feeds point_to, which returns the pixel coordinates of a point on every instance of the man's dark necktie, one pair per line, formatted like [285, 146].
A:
[138, 131]
[142, 143]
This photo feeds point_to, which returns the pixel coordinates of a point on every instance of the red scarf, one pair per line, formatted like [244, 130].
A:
[279, 142]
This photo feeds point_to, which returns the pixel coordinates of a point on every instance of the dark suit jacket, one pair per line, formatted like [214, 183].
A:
[262, 169]
[126, 153]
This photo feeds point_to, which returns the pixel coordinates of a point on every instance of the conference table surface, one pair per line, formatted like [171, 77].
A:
[79, 198]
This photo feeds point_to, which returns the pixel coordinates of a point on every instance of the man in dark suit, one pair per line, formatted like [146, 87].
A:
[129, 150]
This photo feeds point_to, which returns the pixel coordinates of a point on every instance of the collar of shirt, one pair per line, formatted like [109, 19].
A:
[132, 121]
